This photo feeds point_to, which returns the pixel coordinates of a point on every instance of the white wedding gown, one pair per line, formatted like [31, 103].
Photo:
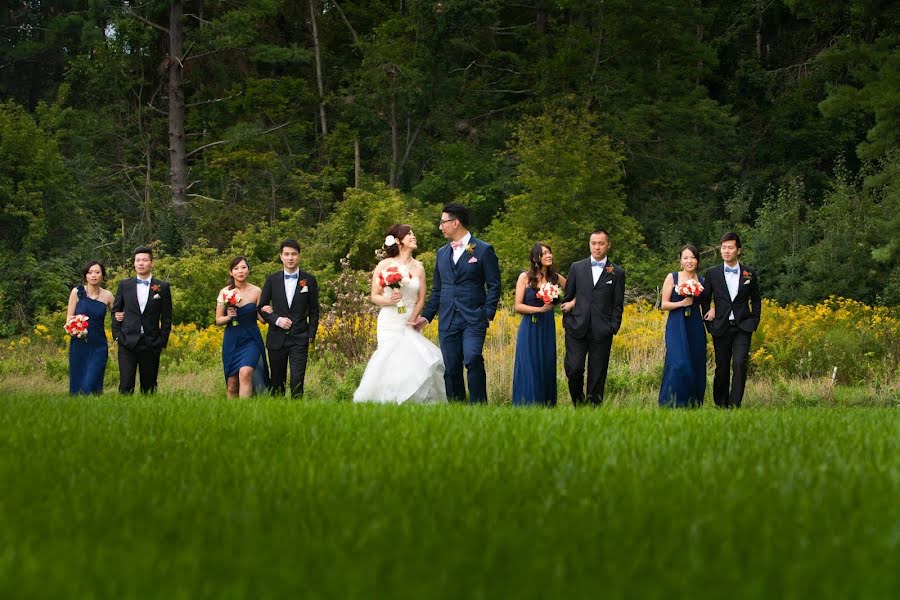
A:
[405, 367]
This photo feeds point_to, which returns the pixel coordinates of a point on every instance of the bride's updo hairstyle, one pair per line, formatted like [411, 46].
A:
[399, 232]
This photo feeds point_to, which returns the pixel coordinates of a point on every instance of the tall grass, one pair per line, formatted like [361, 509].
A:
[794, 355]
[188, 497]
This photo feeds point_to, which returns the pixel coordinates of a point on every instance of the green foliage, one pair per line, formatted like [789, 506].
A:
[570, 181]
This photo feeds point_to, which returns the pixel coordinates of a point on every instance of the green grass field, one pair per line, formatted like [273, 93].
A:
[179, 496]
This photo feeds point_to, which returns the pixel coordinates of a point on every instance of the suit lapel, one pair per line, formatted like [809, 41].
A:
[448, 252]
[603, 273]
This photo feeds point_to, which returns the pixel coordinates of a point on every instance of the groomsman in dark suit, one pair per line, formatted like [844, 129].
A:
[734, 288]
[289, 303]
[141, 323]
[592, 314]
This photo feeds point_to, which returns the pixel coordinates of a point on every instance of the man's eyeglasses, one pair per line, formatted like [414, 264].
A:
[442, 221]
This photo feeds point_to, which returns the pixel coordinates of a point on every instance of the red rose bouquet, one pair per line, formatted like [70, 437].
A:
[230, 298]
[393, 278]
[77, 327]
[548, 293]
[689, 288]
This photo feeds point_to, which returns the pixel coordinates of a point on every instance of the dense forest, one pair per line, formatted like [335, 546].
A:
[210, 128]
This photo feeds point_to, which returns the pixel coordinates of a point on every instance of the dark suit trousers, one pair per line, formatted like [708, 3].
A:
[143, 357]
[597, 352]
[732, 350]
[294, 351]
[463, 346]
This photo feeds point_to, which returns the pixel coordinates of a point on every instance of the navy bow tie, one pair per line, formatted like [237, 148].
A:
[730, 270]
[291, 276]
[595, 263]
[142, 282]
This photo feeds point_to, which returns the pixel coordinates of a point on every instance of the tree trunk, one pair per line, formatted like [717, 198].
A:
[177, 154]
[357, 168]
[395, 145]
[319, 83]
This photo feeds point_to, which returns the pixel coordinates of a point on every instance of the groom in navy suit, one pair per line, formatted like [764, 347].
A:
[464, 295]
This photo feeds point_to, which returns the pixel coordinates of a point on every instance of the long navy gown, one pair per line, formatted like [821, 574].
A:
[534, 370]
[242, 346]
[88, 356]
[684, 373]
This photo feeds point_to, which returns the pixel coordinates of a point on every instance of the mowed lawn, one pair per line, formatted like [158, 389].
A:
[199, 497]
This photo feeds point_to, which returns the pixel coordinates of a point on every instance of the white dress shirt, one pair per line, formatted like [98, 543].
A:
[290, 286]
[143, 293]
[457, 252]
[596, 271]
[733, 281]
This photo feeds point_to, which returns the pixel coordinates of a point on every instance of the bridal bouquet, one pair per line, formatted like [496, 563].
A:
[230, 298]
[77, 327]
[549, 293]
[690, 287]
[395, 277]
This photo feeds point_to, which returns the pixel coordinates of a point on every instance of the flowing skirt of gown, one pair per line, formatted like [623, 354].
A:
[406, 366]
[242, 346]
[684, 372]
[88, 357]
[534, 369]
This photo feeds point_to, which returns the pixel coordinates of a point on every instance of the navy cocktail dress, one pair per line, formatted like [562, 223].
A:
[88, 356]
[684, 372]
[242, 346]
[534, 370]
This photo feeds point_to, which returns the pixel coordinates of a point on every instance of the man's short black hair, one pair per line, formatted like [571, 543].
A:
[289, 244]
[458, 211]
[142, 250]
[730, 236]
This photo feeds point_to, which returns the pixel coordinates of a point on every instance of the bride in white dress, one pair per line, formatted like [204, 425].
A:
[405, 367]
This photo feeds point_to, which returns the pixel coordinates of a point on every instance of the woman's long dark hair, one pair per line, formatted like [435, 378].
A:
[235, 262]
[534, 269]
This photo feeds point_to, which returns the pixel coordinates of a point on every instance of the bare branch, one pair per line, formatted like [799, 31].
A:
[130, 12]
[212, 101]
[347, 23]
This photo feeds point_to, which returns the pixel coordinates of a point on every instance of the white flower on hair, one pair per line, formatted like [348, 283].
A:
[390, 240]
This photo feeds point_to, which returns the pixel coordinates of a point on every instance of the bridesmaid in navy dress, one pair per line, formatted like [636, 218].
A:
[243, 351]
[534, 370]
[684, 373]
[88, 356]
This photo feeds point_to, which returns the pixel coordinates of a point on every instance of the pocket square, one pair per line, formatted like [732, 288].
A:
[473, 260]
[609, 282]
[157, 297]
[304, 289]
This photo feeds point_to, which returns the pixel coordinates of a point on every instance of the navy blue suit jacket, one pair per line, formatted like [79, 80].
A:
[469, 289]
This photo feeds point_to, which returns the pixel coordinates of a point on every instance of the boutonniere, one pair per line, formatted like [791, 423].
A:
[302, 283]
[303, 287]
[746, 275]
[470, 248]
[154, 287]
[610, 269]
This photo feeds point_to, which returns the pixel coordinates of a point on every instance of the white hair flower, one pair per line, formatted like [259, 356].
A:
[390, 241]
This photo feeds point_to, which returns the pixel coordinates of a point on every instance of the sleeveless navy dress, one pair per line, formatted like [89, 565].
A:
[242, 346]
[684, 372]
[88, 356]
[534, 370]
